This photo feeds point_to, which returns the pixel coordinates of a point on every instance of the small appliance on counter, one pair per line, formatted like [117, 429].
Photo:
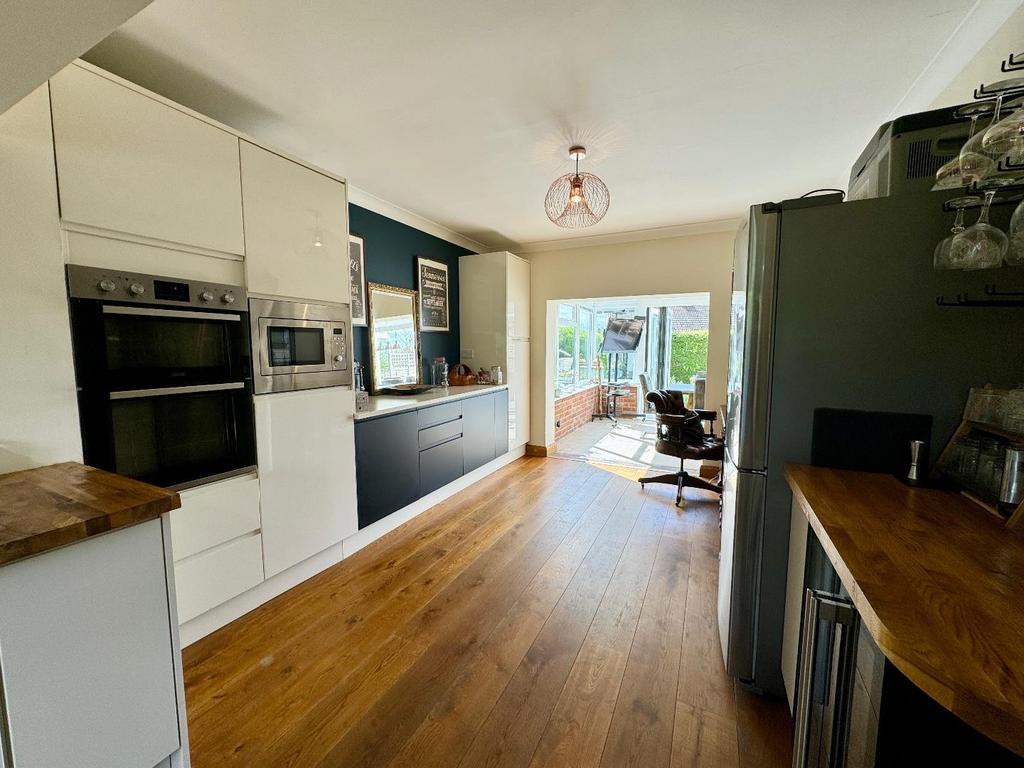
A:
[299, 345]
[164, 375]
[362, 396]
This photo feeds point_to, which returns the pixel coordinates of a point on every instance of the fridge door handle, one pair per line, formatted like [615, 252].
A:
[818, 607]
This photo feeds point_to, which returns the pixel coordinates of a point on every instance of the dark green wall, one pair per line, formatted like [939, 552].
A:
[391, 249]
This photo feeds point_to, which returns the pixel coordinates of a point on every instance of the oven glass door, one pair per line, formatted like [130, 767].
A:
[294, 346]
[178, 436]
[146, 347]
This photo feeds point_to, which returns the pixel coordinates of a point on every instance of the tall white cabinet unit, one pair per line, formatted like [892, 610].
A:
[130, 165]
[296, 229]
[494, 325]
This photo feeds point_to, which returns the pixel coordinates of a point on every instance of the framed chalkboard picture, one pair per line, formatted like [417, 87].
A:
[357, 278]
[433, 290]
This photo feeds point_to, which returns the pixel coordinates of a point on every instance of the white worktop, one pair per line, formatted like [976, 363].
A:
[388, 404]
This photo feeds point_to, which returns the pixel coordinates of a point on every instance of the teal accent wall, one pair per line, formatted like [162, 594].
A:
[390, 249]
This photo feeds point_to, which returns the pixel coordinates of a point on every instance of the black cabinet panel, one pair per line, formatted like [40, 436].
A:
[478, 436]
[387, 465]
[501, 422]
[440, 465]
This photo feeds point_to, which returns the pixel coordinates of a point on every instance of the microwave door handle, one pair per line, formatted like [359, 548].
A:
[130, 394]
[181, 314]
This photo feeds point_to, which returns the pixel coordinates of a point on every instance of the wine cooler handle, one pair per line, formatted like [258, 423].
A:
[818, 607]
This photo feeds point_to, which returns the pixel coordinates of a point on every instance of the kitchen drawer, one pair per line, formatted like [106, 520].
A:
[440, 465]
[438, 414]
[213, 577]
[440, 433]
[215, 514]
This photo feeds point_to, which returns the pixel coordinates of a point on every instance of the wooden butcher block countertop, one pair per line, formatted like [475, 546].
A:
[48, 507]
[937, 581]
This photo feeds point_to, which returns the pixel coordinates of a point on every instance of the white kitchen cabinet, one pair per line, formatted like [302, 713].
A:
[305, 444]
[214, 514]
[296, 229]
[494, 327]
[518, 392]
[517, 298]
[210, 578]
[132, 164]
[39, 408]
[87, 653]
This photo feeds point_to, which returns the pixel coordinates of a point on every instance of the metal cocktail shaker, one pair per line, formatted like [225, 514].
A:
[918, 458]
[1012, 491]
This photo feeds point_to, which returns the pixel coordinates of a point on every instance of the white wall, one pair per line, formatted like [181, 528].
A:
[689, 264]
[39, 37]
[984, 67]
[38, 404]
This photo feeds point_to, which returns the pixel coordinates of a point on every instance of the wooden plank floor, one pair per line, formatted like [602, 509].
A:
[553, 614]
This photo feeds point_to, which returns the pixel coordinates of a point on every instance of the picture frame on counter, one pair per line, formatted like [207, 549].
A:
[357, 278]
[434, 305]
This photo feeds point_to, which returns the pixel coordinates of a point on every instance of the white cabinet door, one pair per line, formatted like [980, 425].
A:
[215, 576]
[129, 163]
[289, 209]
[215, 514]
[85, 649]
[518, 393]
[305, 443]
[518, 297]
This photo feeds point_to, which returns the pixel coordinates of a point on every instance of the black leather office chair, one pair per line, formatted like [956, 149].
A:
[681, 432]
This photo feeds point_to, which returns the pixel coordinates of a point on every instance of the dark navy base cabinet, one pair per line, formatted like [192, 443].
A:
[501, 425]
[404, 456]
[387, 465]
[478, 435]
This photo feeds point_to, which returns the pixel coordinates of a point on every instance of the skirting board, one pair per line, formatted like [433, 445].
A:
[225, 613]
[540, 451]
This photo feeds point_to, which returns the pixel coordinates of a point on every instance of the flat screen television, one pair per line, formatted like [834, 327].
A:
[622, 334]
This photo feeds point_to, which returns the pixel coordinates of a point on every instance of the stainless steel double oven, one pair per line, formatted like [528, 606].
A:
[164, 374]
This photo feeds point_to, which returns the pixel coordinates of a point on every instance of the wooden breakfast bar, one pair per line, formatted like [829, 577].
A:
[89, 635]
[938, 584]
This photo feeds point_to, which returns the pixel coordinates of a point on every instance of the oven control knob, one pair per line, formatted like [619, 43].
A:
[137, 289]
[107, 285]
[206, 296]
[228, 298]
[339, 358]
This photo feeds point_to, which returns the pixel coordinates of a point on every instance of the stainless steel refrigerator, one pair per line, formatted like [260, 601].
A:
[834, 305]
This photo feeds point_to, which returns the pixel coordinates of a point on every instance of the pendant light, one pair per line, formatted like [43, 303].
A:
[577, 199]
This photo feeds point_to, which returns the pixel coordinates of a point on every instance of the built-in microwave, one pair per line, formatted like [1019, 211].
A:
[299, 345]
[164, 376]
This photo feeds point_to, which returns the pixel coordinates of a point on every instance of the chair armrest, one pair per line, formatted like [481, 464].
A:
[706, 415]
[674, 418]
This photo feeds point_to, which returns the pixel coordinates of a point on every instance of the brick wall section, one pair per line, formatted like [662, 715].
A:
[575, 410]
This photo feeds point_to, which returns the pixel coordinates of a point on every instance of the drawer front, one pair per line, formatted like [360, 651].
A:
[440, 433]
[438, 414]
[440, 465]
[215, 514]
[211, 578]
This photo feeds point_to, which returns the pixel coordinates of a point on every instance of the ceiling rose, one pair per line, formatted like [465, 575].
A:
[577, 199]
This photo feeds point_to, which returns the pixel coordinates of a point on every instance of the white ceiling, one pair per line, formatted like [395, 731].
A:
[462, 111]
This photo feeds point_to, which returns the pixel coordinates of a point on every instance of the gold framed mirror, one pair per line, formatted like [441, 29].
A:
[394, 337]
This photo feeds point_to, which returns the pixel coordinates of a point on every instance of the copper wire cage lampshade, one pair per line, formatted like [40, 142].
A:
[577, 199]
